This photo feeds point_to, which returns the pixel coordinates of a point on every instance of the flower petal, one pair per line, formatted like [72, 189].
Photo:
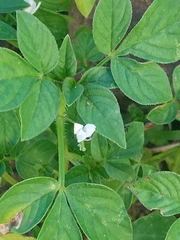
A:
[39, 3]
[81, 135]
[89, 129]
[29, 1]
[33, 8]
[77, 127]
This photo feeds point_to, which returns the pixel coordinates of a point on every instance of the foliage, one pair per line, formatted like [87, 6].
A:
[66, 190]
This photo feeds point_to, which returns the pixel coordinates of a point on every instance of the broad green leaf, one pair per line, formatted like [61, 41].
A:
[104, 209]
[11, 5]
[36, 42]
[163, 114]
[120, 170]
[7, 32]
[111, 21]
[42, 105]
[85, 7]
[99, 75]
[29, 163]
[23, 146]
[135, 141]
[98, 105]
[159, 191]
[67, 65]
[174, 231]
[10, 131]
[125, 194]
[112, 183]
[99, 147]
[157, 35]
[94, 176]
[145, 83]
[55, 22]
[33, 197]
[152, 227]
[71, 90]
[16, 79]
[85, 48]
[148, 169]
[77, 174]
[176, 81]
[101, 171]
[60, 223]
[57, 5]
[14, 236]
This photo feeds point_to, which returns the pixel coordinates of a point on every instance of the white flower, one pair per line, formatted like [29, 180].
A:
[83, 133]
[33, 8]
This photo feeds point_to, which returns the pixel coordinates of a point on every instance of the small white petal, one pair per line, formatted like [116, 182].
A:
[39, 3]
[77, 127]
[33, 8]
[81, 136]
[89, 129]
[29, 1]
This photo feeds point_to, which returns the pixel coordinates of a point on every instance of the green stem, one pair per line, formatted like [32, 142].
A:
[9, 179]
[159, 157]
[61, 142]
[105, 60]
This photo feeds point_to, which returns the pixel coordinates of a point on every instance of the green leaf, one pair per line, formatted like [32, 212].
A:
[99, 147]
[42, 105]
[95, 177]
[60, 223]
[57, 5]
[176, 81]
[77, 174]
[98, 105]
[85, 48]
[152, 227]
[55, 22]
[11, 5]
[163, 114]
[104, 209]
[120, 170]
[67, 65]
[125, 194]
[148, 169]
[111, 21]
[174, 231]
[34, 158]
[71, 90]
[16, 79]
[14, 236]
[99, 75]
[159, 191]
[36, 42]
[10, 131]
[33, 197]
[157, 35]
[85, 7]
[145, 83]
[7, 32]
[135, 141]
